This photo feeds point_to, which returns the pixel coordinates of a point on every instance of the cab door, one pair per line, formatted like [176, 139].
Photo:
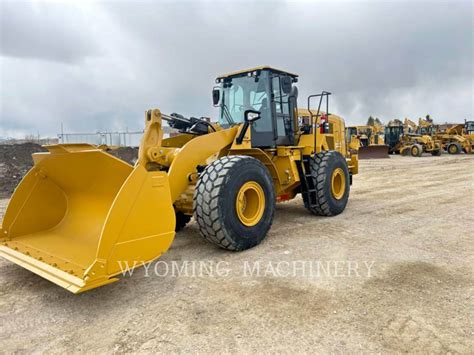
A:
[263, 130]
[284, 122]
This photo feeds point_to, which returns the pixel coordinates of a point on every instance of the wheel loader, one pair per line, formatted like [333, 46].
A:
[367, 141]
[81, 217]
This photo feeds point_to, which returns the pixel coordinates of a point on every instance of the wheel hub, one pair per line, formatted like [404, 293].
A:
[338, 183]
[250, 203]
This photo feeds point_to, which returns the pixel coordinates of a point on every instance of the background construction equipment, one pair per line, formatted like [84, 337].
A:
[454, 139]
[403, 139]
[367, 141]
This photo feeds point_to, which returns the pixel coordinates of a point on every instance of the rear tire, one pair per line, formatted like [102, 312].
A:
[453, 148]
[234, 202]
[329, 169]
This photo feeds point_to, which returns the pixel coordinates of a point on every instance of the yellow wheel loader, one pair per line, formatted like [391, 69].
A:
[81, 217]
[367, 141]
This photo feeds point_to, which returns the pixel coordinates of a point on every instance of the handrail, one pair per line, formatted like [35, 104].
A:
[314, 123]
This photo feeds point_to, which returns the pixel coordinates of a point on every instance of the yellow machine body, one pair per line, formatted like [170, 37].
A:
[81, 217]
[281, 161]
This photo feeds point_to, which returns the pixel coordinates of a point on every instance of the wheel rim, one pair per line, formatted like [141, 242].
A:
[250, 203]
[338, 183]
[452, 149]
[415, 150]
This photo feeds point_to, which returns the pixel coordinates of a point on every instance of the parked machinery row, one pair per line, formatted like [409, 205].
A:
[408, 138]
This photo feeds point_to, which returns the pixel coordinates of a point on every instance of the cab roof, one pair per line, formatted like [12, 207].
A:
[264, 67]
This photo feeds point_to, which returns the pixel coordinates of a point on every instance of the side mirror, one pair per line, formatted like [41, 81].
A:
[216, 95]
[294, 92]
[286, 84]
[251, 116]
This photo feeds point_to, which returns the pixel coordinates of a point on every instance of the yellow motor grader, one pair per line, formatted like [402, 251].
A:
[401, 139]
[81, 217]
[454, 139]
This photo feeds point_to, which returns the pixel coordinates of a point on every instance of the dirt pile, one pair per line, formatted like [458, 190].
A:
[16, 160]
[128, 154]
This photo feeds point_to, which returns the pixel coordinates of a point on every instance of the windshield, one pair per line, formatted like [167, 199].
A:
[243, 93]
[426, 130]
[393, 132]
[470, 127]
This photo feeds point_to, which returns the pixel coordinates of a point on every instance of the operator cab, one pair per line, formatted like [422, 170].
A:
[393, 135]
[267, 91]
[427, 130]
[469, 127]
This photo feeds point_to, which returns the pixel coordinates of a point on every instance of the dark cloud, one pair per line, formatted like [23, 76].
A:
[390, 59]
[53, 31]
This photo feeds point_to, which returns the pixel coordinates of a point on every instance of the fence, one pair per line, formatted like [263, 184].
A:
[120, 139]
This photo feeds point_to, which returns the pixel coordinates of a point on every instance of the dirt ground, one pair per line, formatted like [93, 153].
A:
[407, 231]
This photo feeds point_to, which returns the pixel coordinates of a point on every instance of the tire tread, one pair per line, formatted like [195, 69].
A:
[205, 201]
[318, 165]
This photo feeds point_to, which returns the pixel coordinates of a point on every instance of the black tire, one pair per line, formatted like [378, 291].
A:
[436, 153]
[322, 167]
[181, 220]
[416, 150]
[453, 148]
[215, 202]
[421, 151]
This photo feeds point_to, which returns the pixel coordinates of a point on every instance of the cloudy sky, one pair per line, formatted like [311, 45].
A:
[99, 65]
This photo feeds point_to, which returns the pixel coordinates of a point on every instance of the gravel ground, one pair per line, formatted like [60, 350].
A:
[395, 275]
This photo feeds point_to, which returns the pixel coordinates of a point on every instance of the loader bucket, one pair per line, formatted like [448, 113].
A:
[373, 152]
[81, 216]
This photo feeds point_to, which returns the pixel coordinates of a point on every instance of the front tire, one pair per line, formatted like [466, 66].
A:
[332, 181]
[416, 150]
[234, 202]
